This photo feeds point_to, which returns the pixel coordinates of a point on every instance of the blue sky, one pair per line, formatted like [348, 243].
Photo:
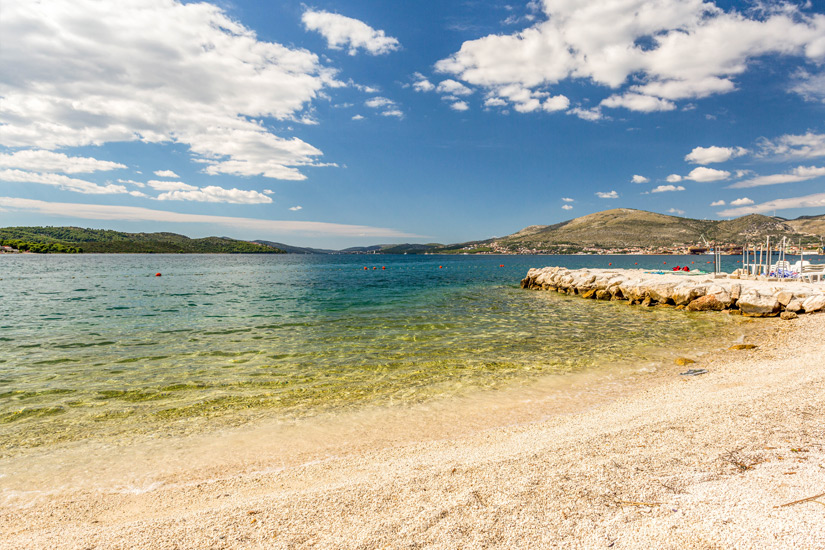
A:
[342, 123]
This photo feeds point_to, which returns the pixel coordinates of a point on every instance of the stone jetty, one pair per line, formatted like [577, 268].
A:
[684, 290]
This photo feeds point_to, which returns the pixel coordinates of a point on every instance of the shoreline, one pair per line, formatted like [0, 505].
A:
[696, 462]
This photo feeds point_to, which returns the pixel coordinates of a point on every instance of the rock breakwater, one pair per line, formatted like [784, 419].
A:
[683, 290]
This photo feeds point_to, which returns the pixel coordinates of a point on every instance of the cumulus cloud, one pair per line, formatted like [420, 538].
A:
[166, 174]
[590, 115]
[607, 194]
[718, 203]
[566, 207]
[422, 84]
[459, 106]
[213, 193]
[677, 211]
[159, 185]
[39, 160]
[133, 213]
[666, 188]
[741, 202]
[61, 181]
[568, 199]
[345, 32]
[638, 102]
[800, 173]
[649, 53]
[709, 155]
[639, 179]
[808, 201]
[808, 145]
[453, 87]
[704, 175]
[358, 117]
[810, 86]
[82, 72]
[673, 178]
[379, 102]
[296, 208]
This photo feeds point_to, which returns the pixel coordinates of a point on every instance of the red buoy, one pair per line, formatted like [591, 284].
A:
[157, 274]
[441, 267]
[611, 263]
[365, 268]
[502, 265]
[383, 267]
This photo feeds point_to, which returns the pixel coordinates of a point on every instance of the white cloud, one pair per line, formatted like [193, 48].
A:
[741, 202]
[607, 194]
[133, 182]
[704, 175]
[673, 178]
[453, 87]
[82, 72]
[393, 112]
[166, 174]
[808, 201]
[133, 213]
[800, 173]
[718, 203]
[591, 115]
[638, 102]
[649, 53]
[268, 192]
[61, 181]
[379, 102]
[709, 155]
[459, 106]
[677, 211]
[566, 207]
[159, 185]
[568, 199]
[39, 160]
[639, 179]
[808, 145]
[213, 193]
[665, 188]
[358, 117]
[296, 208]
[810, 86]
[494, 102]
[341, 31]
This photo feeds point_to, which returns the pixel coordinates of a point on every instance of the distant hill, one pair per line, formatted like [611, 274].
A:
[629, 228]
[108, 241]
[289, 249]
[405, 248]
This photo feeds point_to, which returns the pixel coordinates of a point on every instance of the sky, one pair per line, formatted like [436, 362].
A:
[348, 123]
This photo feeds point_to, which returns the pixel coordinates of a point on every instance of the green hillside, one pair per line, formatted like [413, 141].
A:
[108, 241]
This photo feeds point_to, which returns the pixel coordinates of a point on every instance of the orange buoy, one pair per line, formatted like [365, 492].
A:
[665, 263]
[502, 265]
[383, 267]
[365, 268]
[441, 267]
[374, 268]
[636, 263]
[157, 274]
[693, 262]
[611, 263]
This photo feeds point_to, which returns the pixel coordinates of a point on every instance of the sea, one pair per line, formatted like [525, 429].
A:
[113, 365]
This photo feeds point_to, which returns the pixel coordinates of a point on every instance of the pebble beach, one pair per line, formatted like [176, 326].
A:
[734, 458]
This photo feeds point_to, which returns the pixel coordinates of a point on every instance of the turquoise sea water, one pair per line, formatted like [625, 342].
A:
[97, 346]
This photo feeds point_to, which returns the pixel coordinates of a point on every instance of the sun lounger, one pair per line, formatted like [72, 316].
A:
[812, 273]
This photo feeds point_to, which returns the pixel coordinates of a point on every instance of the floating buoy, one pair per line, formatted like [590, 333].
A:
[502, 265]
[441, 267]
[693, 262]
[665, 263]
[374, 268]
[365, 268]
[383, 267]
[611, 263]
[637, 263]
[157, 274]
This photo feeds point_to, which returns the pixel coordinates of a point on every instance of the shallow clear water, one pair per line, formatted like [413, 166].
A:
[96, 346]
